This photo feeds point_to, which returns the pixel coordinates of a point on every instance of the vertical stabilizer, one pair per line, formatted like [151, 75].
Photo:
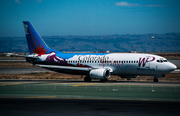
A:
[35, 43]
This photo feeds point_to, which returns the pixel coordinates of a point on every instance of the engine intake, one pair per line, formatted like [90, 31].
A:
[99, 74]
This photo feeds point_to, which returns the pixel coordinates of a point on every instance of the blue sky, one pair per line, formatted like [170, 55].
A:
[90, 17]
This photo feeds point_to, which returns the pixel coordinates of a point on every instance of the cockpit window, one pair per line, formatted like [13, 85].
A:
[161, 60]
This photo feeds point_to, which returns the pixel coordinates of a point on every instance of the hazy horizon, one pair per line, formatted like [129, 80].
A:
[168, 42]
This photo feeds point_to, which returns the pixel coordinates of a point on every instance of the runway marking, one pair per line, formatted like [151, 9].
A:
[9, 84]
[82, 85]
[42, 97]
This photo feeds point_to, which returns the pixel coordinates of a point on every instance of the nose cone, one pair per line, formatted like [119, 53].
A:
[171, 67]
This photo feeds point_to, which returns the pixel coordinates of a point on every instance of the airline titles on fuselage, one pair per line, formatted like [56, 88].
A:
[92, 58]
[101, 60]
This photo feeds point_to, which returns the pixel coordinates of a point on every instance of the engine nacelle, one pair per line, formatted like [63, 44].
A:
[99, 74]
[134, 76]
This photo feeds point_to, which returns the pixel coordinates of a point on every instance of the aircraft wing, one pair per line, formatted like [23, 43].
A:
[65, 67]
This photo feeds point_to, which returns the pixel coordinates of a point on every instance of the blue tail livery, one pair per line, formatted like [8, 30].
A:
[35, 43]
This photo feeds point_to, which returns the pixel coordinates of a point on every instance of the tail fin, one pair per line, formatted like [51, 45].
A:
[35, 43]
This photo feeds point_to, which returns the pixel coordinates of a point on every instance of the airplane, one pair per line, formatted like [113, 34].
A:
[94, 65]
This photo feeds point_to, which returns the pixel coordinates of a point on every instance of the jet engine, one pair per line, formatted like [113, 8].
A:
[100, 74]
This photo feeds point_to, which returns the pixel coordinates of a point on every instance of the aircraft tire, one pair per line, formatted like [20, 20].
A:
[155, 79]
[87, 79]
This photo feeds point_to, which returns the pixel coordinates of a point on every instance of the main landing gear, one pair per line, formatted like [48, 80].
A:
[87, 79]
[155, 79]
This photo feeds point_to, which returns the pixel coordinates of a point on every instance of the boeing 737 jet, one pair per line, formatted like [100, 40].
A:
[94, 65]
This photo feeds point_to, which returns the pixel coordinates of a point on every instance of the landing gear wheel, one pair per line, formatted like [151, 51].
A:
[87, 79]
[155, 79]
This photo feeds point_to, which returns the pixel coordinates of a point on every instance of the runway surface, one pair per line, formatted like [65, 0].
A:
[22, 70]
[120, 90]
[74, 98]
[48, 81]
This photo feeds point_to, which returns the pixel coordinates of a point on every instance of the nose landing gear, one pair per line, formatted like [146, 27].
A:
[155, 79]
[87, 79]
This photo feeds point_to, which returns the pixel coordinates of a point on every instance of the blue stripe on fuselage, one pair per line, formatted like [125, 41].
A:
[70, 55]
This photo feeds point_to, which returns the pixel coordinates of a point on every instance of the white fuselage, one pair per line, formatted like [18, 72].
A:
[118, 63]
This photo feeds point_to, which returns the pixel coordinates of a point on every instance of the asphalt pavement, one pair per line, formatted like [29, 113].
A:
[86, 107]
